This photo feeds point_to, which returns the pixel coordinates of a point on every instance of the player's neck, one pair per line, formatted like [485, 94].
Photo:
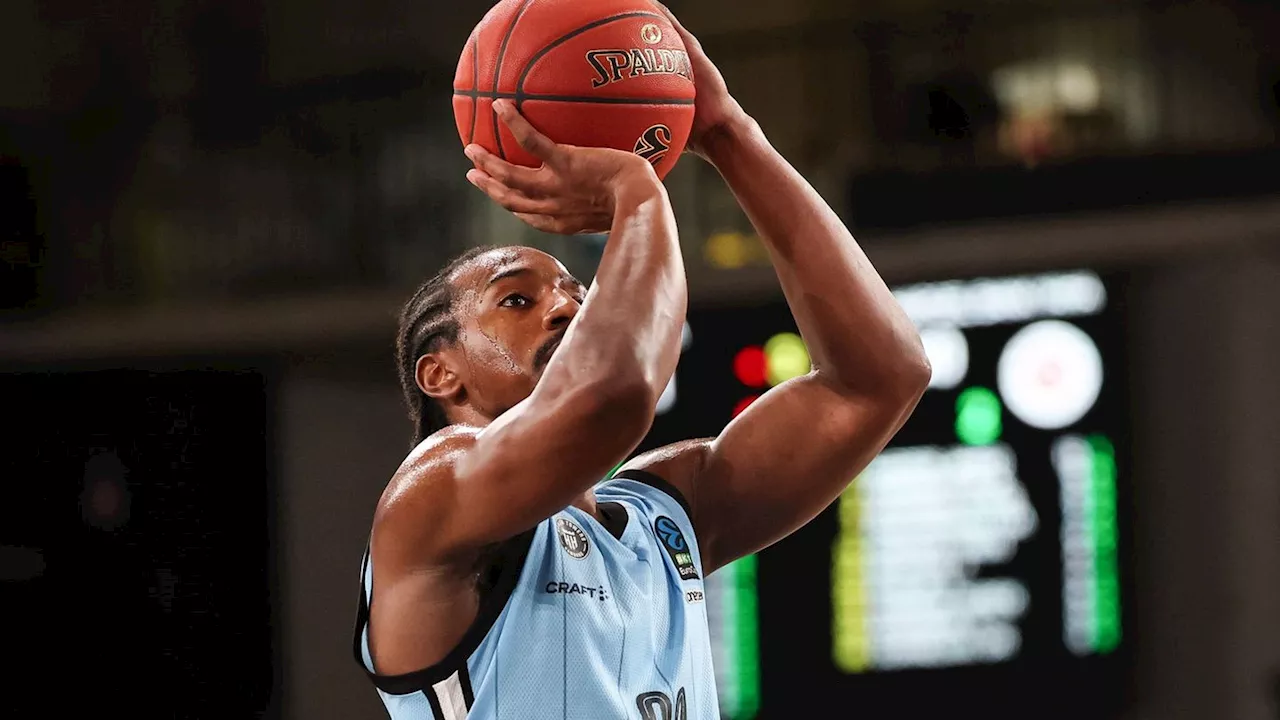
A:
[467, 415]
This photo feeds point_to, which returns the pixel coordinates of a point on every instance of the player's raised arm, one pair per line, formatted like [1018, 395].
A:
[595, 400]
[794, 450]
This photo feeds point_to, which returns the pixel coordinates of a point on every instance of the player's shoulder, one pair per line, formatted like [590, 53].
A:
[669, 472]
[427, 471]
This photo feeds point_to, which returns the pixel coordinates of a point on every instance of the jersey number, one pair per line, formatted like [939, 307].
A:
[657, 706]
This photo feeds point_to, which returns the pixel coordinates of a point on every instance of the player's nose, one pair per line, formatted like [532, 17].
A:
[562, 310]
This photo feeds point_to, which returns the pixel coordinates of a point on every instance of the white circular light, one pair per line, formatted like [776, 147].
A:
[1049, 374]
[1078, 88]
[667, 399]
[948, 353]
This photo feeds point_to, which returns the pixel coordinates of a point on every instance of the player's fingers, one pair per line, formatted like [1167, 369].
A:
[513, 176]
[566, 225]
[507, 197]
[670, 16]
[538, 145]
[691, 42]
[545, 223]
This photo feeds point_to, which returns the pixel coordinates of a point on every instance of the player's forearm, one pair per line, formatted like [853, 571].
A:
[629, 329]
[857, 334]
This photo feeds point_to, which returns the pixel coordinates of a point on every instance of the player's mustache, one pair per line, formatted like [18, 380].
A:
[543, 356]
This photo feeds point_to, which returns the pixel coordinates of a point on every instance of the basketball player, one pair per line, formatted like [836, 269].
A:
[504, 579]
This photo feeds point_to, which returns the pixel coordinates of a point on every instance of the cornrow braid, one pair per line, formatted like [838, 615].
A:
[427, 322]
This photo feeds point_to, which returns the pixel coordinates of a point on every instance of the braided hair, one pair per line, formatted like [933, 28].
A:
[427, 323]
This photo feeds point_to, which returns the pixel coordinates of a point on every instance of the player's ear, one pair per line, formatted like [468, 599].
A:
[438, 375]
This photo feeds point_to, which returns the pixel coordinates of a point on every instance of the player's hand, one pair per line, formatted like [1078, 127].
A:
[715, 110]
[574, 190]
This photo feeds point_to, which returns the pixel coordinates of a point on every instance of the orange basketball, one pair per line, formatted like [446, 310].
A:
[598, 73]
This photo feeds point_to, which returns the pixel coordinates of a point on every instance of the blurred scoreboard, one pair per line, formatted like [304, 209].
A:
[975, 565]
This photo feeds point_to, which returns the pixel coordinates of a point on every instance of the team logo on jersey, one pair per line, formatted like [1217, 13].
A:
[672, 539]
[572, 539]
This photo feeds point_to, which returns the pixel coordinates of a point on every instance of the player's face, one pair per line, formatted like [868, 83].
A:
[515, 307]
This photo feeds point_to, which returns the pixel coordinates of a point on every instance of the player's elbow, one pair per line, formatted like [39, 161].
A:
[906, 370]
[907, 382]
[915, 371]
[896, 384]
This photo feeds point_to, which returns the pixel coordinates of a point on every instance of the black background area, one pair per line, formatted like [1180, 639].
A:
[165, 615]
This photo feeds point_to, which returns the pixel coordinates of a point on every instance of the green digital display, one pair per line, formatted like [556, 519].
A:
[978, 420]
[738, 662]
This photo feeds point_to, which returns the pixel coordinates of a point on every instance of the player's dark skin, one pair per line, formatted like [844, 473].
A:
[533, 436]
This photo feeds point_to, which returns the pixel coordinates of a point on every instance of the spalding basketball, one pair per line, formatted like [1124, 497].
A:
[598, 73]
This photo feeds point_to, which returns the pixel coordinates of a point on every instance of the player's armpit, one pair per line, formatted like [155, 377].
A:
[779, 463]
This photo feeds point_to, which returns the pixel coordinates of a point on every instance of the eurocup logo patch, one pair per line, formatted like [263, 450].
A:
[572, 539]
[670, 537]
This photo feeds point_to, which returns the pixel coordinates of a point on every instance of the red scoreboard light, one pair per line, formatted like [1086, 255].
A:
[783, 357]
[743, 404]
[751, 367]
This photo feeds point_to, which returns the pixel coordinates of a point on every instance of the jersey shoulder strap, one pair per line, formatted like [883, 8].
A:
[665, 490]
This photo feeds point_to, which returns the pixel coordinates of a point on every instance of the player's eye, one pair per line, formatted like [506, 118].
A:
[515, 300]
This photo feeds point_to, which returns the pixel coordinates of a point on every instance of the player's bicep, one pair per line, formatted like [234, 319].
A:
[536, 458]
[784, 460]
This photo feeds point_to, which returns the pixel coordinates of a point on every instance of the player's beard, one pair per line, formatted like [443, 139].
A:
[543, 356]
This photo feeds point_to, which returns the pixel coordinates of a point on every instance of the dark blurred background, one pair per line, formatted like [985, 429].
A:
[210, 212]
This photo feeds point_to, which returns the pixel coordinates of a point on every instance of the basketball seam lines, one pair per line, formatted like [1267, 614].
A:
[520, 96]
[590, 99]
[497, 74]
[475, 83]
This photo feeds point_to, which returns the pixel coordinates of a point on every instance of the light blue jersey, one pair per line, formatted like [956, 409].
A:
[579, 621]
